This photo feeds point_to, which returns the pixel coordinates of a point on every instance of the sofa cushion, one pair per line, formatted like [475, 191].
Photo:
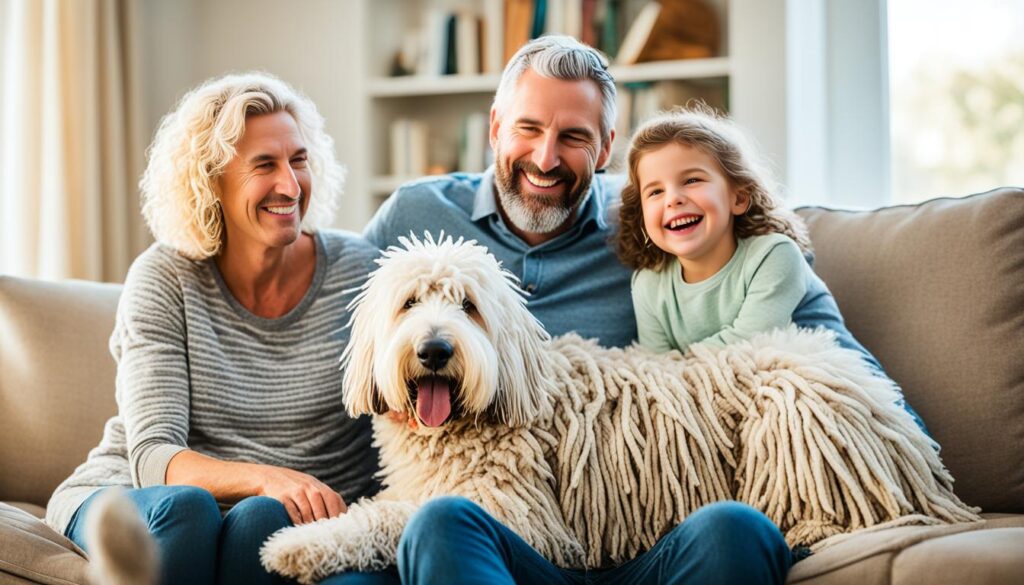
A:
[981, 552]
[936, 292]
[37, 511]
[31, 552]
[56, 380]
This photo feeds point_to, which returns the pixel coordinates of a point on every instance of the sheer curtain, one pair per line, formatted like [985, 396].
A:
[70, 144]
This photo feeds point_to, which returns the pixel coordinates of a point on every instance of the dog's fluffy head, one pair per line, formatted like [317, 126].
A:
[441, 331]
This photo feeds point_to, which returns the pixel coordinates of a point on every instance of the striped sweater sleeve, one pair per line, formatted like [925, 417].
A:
[149, 346]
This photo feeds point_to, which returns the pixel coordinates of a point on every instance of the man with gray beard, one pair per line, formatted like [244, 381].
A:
[543, 210]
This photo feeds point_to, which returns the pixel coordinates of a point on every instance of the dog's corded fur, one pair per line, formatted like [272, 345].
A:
[592, 454]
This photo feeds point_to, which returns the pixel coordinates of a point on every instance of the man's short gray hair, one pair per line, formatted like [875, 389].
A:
[560, 57]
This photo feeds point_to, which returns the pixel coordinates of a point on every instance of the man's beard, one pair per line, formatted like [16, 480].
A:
[532, 212]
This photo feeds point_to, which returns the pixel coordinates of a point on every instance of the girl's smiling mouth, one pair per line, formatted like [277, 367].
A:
[684, 223]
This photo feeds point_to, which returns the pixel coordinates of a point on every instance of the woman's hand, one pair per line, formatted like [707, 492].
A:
[304, 497]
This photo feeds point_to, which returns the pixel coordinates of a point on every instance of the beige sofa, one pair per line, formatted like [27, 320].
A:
[935, 290]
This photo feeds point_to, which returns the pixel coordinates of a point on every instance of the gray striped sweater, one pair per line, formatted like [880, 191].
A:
[196, 370]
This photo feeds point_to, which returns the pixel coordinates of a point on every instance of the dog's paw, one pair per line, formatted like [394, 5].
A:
[363, 539]
[307, 553]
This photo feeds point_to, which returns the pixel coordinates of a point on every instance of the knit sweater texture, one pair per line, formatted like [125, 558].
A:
[197, 370]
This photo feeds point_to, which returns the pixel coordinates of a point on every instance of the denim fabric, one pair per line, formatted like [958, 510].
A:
[453, 541]
[388, 577]
[195, 544]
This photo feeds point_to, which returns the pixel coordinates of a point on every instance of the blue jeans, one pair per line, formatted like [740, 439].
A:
[196, 545]
[451, 540]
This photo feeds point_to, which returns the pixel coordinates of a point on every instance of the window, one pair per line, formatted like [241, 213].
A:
[956, 97]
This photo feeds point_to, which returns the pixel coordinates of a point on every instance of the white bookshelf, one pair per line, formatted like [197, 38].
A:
[417, 85]
[441, 101]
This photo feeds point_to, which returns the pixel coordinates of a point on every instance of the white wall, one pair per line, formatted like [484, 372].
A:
[4, 7]
[809, 81]
[314, 45]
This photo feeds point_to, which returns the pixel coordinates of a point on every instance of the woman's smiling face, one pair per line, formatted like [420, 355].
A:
[265, 188]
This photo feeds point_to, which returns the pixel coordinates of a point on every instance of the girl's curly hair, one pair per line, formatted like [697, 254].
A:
[699, 126]
[194, 142]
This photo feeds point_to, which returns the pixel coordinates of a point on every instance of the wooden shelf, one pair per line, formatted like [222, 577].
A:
[468, 84]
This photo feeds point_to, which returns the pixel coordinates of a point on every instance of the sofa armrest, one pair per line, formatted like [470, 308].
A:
[56, 380]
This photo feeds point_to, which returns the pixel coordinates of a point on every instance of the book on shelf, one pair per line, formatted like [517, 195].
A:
[519, 18]
[572, 18]
[588, 18]
[540, 11]
[482, 37]
[450, 56]
[434, 35]
[637, 102]
[467, 44]
[611, 23]
[493, 42]
[554, 19]
[450, 43]
[474, 145]
[409, 147]
[649, 98]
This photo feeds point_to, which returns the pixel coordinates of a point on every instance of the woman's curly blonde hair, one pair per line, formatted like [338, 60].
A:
[180, 199]
[698, 126]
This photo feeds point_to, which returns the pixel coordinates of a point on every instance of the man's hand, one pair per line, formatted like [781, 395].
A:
[304, 497]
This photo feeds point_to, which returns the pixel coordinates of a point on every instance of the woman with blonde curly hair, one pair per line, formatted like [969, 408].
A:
[717, 258]
[227, 337]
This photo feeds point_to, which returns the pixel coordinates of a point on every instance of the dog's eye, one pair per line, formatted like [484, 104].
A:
[409, 303]
[468, 306]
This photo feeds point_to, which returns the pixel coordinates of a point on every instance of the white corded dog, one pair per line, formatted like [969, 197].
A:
[591, 454]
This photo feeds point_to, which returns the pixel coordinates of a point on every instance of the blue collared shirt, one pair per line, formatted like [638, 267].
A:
[575, 282]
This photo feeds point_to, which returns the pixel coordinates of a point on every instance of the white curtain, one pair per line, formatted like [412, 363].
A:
[70, 143]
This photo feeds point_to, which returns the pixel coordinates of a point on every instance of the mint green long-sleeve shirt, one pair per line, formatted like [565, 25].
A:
[757, 290]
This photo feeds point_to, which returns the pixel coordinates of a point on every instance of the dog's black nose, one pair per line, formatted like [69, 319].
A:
[434, 353]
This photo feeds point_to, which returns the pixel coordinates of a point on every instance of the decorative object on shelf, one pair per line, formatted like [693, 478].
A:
[671, 29]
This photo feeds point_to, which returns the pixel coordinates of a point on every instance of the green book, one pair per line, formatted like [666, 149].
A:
[540, 14]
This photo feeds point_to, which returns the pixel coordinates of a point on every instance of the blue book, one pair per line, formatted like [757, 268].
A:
[540, 12]
[450, 65]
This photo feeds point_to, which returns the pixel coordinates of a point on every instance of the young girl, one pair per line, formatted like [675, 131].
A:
[716, 258]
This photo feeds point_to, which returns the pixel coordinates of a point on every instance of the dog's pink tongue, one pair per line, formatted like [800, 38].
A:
[433, 400]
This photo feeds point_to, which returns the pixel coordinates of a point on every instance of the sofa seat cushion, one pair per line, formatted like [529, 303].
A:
[984, 552]
[935, 292]
[32, 552]
[37, 511]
